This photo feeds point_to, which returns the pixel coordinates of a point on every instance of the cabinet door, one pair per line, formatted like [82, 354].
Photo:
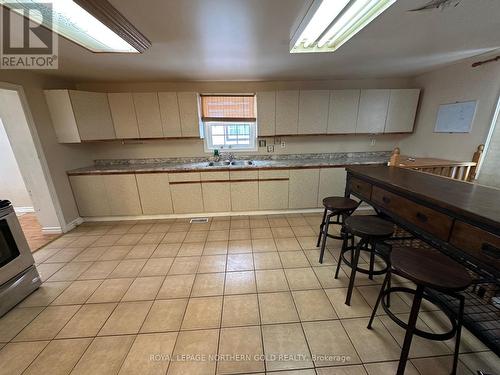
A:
[188, 108]
[266, 113]
[216, 196]
[331, 183]
[187, 197]
[122, 194]
[287, 112]
[245, 196]
[90, 195]
[313, 111]
[63, 117]
[303, 188]
[123, 114]
[92, 115]
[170, 117]
[148, 114]
[273, 194]
[402, 110]
[343, 111]
[373, 105]
[154, 192]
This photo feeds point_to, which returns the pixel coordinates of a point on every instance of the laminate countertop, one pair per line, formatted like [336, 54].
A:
[177, 165]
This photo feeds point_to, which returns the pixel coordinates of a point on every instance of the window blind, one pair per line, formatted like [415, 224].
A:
[233, 108]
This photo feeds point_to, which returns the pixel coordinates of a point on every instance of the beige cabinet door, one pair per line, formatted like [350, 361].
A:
[343, 111]
[187, 197]
[154, 192]
[90, 195]
[92, 115]
[63, 117]
[147, 109]
[122, 194]
[216, 196]
[123, 114]
[287, 112]
[188, 108]
[313, 111]
[331, 183]
[273, 194]
[245, 196]
[373, 105]
[266, 113]
[303, 188]
[402, 110]
[169, 111]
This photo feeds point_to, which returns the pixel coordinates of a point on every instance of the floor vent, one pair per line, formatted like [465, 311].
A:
[199, 220]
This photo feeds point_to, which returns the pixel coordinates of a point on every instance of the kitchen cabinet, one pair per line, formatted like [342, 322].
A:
[188, 110]
[90, 195]
[186, 192]
[266, 113]
[273, 189]
[331, 183]
[373, 105]
[122, 194]
[170, 116]
[123, 114]
[287, 112]
[313, 111]
[216, 191]
[154, 193]
[402, 110]
[244, 190]
[63, 118]
[147, 109]
[343, 111]
[303, 188]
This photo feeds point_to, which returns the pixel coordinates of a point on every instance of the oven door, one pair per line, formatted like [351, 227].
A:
[15, 255]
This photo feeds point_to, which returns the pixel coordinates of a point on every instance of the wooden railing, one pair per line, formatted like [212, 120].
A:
[457, 170]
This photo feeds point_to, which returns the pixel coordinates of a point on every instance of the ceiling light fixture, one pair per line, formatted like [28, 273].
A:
[328, 24]
[94, 24]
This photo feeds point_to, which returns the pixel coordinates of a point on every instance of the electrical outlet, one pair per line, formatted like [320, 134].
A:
[262, 143]
[277, 140]
[373, 141]
[283, 144]
[270, 148]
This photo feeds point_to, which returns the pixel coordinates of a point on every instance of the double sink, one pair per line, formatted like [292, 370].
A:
[230, 163]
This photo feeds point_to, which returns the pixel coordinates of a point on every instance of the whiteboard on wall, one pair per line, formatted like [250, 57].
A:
[455, 117]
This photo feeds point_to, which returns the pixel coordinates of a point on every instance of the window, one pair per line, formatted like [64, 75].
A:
[229, 122]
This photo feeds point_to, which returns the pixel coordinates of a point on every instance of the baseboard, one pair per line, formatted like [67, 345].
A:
[72, 224]
[52, 230]
[24, 210]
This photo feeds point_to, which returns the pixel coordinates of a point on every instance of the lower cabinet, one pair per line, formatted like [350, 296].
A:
[216, 196]
[187, 197]
[122, 194]
[331, 183]
[273, 189]
[90, 195]
[303, 188]
[154, 192]
[245, 196]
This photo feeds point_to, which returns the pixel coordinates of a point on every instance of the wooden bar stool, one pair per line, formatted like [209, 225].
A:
[370, 230]
[428, 269]
[340, 207]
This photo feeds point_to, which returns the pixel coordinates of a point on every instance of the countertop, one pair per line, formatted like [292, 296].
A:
[173, 165]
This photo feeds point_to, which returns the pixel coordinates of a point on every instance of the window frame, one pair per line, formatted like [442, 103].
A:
[209, 146]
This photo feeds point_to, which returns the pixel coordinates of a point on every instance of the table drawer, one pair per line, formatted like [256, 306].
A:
[431, 221]
[362, 188]
[480, 244]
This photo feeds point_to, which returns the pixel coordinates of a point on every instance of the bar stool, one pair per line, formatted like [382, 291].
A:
[371, 230]
[340, 207]
[428, 269]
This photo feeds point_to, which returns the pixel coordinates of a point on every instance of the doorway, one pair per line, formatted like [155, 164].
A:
[488, 173]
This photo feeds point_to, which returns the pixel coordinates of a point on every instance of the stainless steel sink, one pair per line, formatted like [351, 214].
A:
[242, 162]
[218, 163]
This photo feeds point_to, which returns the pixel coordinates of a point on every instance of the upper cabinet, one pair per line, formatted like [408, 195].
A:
[343, 111]
[287, 112]
[169, 111]
[372, 113]
[188, 109]
[313, 111]
[266, 113]
[63, 117]
[402, 110]
[147, 109]
[123, 114]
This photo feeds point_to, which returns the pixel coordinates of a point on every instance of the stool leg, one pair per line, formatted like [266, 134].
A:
[387, 280]
[354, 265]
[458, 334]
[412, 322]
[326, 224]
[372, 260]
[321, 228]
[345, 235]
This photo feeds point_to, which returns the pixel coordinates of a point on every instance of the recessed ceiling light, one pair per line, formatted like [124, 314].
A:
[95, 25]
[328, 24]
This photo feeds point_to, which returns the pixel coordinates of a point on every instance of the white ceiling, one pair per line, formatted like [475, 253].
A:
[249, 40]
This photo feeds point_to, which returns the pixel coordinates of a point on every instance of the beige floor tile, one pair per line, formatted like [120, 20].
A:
[65, 255]
[383, 368]
[218, 235]
[215, 248]
[358, 308]
[293, 259]
[166, 250]
[263, 245]
[191, 249]
[77, 293]
[313, 258]
[301, 278]
[129, 239]
[176, 286]
[59, 357]
[180, 227]
[220, 225]
[277, 308]
[47, 324]
[121, 228]
[127, 318]
[240, 282]
[165, 315]
[46, 270]
[141, 251]
[370, 294]
[128, 268]
[111, 290]
[266, 261]
[91, 254]
[16, 357]
[259, 222]
[138, 360]
[174, 237]
[440, 366]
[15, 320]
[70, 272]
[208, 284]
[296, 221]
[303, 231]
[156, 267]
[276, 222]
[191, 344]
[313, 305]
[104, 356]
[244, 342]
[287, 244]
[240, 310]
[99, 270]
[308, 242]
[160, 228]
[116, 252]
[342, 370]
[240, 223]
[258, 233]
[283, 340]
[43, 254]
[239, 234]
[143, 289]
[329, 344]
[486, 361]
[196, 236]
[140, 228]
[107, 240]
[184, 265]
[84, 241]
[271, 281]
[372, 345]
[87, 321]
[212, 263]
[203, 313]
[282, 232]
[239, 262]
[151, 238]
[239, 246]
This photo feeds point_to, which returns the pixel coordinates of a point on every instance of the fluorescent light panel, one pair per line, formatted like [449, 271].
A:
[331, 23]
[76, 24]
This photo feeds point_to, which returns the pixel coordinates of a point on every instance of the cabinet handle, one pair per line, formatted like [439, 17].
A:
[490, 250]
[421, 217]
[386, 199]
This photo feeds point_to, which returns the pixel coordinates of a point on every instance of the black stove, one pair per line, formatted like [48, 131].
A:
[4, 203]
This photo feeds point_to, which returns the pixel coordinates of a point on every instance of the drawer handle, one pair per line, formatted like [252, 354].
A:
[490, 250]
[386, 199]
[421, 217]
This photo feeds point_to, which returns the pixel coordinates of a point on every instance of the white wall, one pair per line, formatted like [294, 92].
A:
[12, 186]
[489, 173]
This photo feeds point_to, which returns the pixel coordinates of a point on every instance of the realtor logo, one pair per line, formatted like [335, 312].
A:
[27, 41]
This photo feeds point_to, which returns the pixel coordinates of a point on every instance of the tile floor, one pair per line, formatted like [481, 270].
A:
[234, 296]
[33, 232]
